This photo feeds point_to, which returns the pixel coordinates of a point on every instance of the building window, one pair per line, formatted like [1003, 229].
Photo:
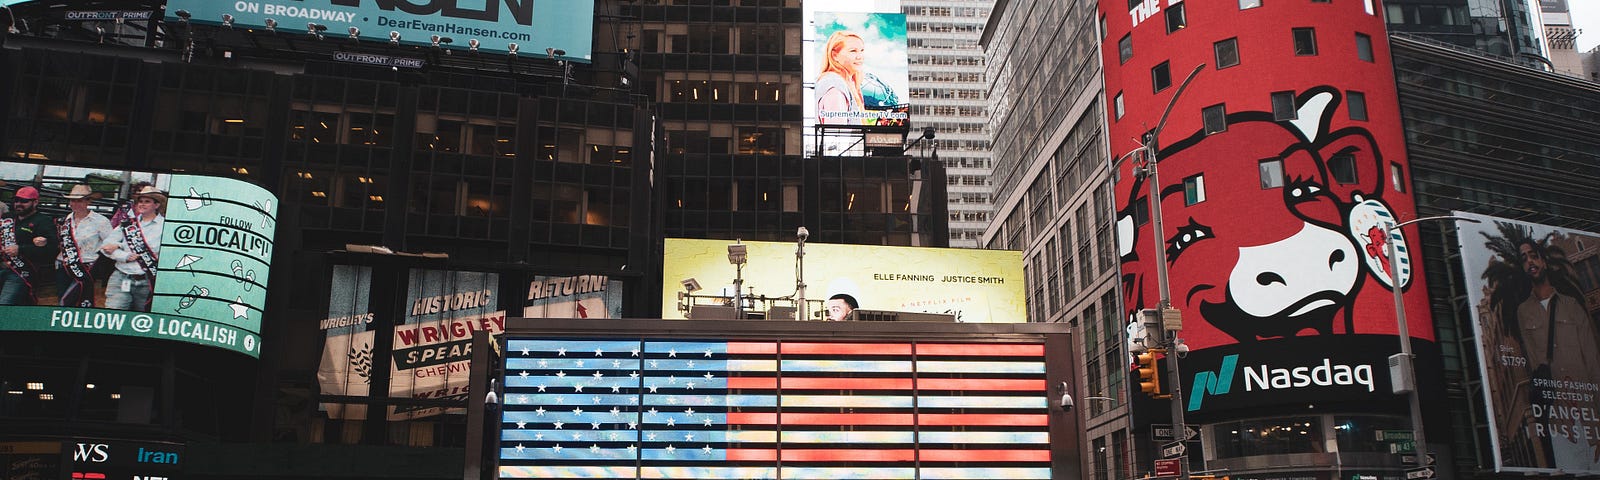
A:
[1194, 189]
[1125, 47]
[1343, 168]
[1118, 105]
[1161, 77]
[1305, 41]
[1215, 118]
[1358, 105]
[1397, 177]
[1176, 19]
[1227, 53]
[1283, 106]
[1271, 173]
[1364, 47]
[1248, 4]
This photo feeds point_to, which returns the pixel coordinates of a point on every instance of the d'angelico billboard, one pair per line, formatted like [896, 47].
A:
[1534, 316]
[975, 286]
[173, 257]
[534, 25]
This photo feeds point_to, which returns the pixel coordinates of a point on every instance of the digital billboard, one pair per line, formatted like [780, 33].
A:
[581, 296]
[856, 69]
[432, 349]
[175, 257]
[1534, 305]
[632, 407]
[532, 25]
[974, 286]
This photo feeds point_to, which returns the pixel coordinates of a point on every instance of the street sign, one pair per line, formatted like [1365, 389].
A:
[1419, 473]
[1394, 435]
[1163, 431]
[1403, 446]
[1412, 459]
[1174, 449]
[1169, 467]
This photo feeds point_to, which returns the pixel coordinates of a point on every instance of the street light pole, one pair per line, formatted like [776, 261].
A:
[1410, 368]
[1169, 335]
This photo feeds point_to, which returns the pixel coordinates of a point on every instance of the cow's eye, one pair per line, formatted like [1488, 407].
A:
[1301, 190]
[1185, 237]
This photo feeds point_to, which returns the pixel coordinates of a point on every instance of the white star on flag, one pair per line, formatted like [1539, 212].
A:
[577, 389]
[671, 450]
[616, 389]
[543, 363]
[557, 448]
[633, 425]
[613, 436]
[524, 374]
[559, 424]
[635, 351]
[539, 412]
[688, 437]
[672, 379]
[653, 411]
[708, 421]
[577, 411]
[595, 399]
[597, 375]
[654, 364]
[522, 424]
[576, 436]
[691, 364]
[616, 412]
[538, 436]
[672, 422]
[706, 450]
[580, 363]
[652, 388]
[708, 353]
[672, 353]
[650, 436]
[522, 399]
[594, 425]
[561, 352]
[631, 448]
[598, 352]
[525, 351]
[708, 375]
[691, 385]
[561, 374]
[520, 448]
[633, 400]
[594, 448]
[616, 364]
[633, 375]
[561, 399]
[541, 387]
[689, 412]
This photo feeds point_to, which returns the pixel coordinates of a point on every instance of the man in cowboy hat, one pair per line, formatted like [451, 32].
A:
[82, 233]
[27, 245]
[135, 246]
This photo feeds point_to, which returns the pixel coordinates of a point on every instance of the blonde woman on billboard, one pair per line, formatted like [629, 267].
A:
[838, 88]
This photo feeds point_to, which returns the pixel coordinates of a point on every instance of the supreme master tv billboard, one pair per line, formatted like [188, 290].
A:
[1534, 305]
[856, 69]
[532, 25]
[173, 257]
[974, 286]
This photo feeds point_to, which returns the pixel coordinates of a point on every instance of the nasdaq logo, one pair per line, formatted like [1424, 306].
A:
[1219, 382]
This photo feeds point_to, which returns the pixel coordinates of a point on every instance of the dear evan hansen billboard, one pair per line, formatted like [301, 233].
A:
[533, 25]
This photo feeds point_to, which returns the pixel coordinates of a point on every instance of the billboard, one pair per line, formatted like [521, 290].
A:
[431, 353]
[633, 407]
[856, 69]
[1534, 307]
[975, 286]
[581, 296]
[192, 269]
[532, 25]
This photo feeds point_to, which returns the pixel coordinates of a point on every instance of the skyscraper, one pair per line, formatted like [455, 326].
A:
[950, 94]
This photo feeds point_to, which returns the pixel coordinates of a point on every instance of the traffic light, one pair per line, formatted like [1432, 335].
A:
[1149, 374]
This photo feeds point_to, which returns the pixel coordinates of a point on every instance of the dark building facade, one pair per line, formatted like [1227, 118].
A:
[500, 174]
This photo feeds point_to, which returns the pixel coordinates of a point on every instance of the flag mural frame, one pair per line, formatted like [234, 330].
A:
[755, 399]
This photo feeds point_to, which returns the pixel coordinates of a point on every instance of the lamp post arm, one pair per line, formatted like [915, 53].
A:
[1162, 123]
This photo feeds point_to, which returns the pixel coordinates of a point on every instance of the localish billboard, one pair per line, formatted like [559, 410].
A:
[715, 408]
[174, 257]
[532, 25]
[431, 354]
[974, 286]
[856, 69]
[1534, 317]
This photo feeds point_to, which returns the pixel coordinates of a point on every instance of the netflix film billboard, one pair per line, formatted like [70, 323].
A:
[1534, 305]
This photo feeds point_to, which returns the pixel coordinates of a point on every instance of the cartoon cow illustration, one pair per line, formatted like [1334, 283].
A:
[1265, 256]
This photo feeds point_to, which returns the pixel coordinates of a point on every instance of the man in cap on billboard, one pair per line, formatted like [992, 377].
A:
[82, 233]
[27, 245]
[136, 245]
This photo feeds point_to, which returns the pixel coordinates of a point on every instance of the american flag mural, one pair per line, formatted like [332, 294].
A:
[646, 408]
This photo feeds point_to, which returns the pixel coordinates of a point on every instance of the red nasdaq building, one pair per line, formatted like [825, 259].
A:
[1281, 162]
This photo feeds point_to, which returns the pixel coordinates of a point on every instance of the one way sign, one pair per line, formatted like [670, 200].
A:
[1174, 449]
[1419, 473]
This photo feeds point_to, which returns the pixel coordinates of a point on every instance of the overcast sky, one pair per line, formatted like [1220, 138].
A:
[1586, 17]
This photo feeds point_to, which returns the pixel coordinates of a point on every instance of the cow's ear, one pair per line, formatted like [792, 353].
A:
[1314, 112]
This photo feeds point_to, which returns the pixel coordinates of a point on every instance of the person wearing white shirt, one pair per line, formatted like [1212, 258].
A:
[136, 246]
[82, 232]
